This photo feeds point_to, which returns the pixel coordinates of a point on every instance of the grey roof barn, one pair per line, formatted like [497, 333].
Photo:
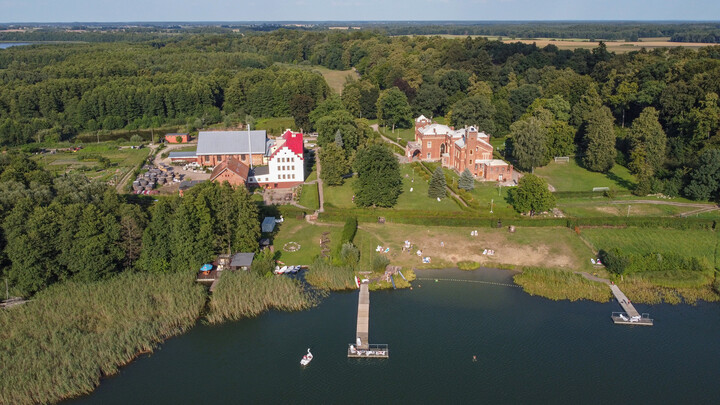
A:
[231, 142]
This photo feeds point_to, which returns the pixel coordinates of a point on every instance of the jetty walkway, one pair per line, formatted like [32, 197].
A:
[631, 316]
[362, 348]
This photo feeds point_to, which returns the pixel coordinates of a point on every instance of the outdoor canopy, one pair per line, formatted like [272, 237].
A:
[206, 267]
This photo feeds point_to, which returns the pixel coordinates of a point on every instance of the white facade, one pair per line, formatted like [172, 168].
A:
[284, 166]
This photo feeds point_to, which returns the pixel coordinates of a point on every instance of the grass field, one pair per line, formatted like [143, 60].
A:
[547, 247]
[601, 207]
[574, 43]
[275, 126]
[697, 243]
[309, 196]
[307, 235]
[335, 78]
[571, 177]
[341, 196]
[121, 161]
[406, 134]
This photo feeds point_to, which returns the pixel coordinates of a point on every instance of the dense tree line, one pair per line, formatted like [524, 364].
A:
[68, 227]
[551, 102]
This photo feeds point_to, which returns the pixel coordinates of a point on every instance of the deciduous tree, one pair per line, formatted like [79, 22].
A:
[532, 195]
[599, 140]
[379, 183]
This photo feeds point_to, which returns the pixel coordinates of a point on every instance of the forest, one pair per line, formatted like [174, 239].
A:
[655, 112]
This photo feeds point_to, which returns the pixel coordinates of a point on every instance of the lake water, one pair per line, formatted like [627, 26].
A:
[5, 45]
[529, 350]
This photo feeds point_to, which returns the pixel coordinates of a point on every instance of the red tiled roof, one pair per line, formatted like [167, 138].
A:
[293, 141]
[234, 166]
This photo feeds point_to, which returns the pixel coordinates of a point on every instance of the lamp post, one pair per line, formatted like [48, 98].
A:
[491, 205]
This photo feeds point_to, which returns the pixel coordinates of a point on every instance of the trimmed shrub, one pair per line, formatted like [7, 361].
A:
[349, 230]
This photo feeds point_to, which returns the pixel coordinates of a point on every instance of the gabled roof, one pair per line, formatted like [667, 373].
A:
[492, 162]
[421, 118]
[291, 140]
[234, 166]
[231, 142]
[242, 259]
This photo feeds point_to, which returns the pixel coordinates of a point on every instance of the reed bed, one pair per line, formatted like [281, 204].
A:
[561, 285]
[326, 276]
[245, 294]
[642, 290]
[69, 336]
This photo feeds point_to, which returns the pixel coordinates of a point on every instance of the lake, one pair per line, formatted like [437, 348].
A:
[529, 350]
[5, 45]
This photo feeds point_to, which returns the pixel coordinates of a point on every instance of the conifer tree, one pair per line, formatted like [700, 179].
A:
[437, 184]
[466, 181]
[338, 138]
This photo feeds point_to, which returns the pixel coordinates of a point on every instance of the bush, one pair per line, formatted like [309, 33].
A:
[620, 263]
[379, 262]
[349, 254]
[349, 230]
[468, 265]
[136, 138]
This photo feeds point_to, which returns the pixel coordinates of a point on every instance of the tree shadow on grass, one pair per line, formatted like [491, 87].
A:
[620, 181]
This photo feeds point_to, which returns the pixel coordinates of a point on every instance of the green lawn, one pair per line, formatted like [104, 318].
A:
[407, 134]
[571, 177]
[601, 207]
[276, 126]
[696, 243]
[309, 196]
[341, 196]
[307, 235]
[121, 161]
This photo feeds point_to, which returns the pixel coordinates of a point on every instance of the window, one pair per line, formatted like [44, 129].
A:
[428, 155]
[207, 158]
[292, 160]
[470, 152]
[429, 144]
[292, 176]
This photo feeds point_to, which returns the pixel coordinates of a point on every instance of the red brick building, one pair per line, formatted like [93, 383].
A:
[173, 138]
[460, 149]
[231, 170]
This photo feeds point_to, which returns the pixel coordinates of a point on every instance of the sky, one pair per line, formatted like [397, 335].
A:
[353, 10]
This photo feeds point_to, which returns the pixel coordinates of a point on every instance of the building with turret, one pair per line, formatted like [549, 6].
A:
[460, 149]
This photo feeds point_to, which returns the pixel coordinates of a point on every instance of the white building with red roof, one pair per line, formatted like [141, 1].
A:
[285, 164]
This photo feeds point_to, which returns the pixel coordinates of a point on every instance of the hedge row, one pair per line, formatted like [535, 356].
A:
[463, 218]
[584, 194]
[621, 263]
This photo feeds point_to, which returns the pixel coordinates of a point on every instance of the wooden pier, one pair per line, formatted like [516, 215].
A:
[364, 348]
[631, 316]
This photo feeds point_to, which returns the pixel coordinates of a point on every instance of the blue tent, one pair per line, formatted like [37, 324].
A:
[268, 224]
[206, 267]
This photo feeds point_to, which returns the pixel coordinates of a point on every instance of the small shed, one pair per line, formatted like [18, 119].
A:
[268, 224]
[177, 138]
[242, 261]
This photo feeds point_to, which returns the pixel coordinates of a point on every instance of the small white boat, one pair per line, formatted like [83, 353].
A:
[306, 359]
[357, 282]
[623, 317]
[281, 270]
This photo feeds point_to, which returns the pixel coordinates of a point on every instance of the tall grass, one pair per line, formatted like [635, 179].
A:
[561, 285]
[245, 294]
[61, 343]
[326, 276]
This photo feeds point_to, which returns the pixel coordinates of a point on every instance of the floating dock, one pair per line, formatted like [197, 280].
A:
[365, 349]
[631, 316]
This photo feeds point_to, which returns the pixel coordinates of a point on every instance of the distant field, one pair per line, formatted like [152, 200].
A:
[574, 43]
[335, 78]
[571, 177]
